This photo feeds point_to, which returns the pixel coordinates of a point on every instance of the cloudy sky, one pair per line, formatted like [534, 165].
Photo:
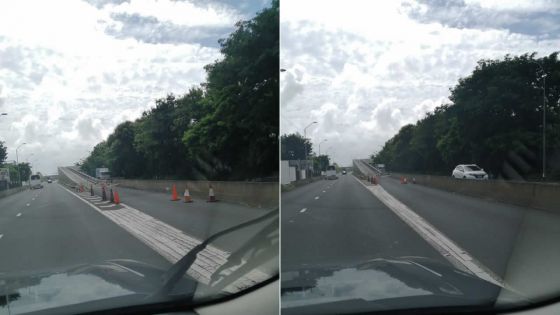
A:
[71, 70]
[363, 69]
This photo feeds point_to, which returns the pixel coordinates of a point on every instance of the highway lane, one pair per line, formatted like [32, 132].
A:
[340, 222]
[487, 230]
[198, 219]
[49, 228]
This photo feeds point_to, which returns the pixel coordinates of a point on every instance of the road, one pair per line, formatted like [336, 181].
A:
[58, 226]
[49, 228]
[341, 221]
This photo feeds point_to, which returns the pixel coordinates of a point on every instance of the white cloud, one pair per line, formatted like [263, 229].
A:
[363, 69]
[66, 83]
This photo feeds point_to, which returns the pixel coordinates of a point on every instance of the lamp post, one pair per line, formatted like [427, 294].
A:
[305, 145]
[543, 120]
[320, 146]
[17, 161]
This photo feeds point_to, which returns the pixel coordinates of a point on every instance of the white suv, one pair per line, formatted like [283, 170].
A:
[469, 171]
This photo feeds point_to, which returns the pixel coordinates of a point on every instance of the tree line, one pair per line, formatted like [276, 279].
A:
[224, 129]
[494, 119]
[295, 147]
[24, 168]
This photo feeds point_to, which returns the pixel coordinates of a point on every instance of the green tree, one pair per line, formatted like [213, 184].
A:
[239, 135]
[3, 153]
[294, 147]
[495, 114]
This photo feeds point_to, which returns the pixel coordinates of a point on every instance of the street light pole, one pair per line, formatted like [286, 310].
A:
[544, 121]
[305, 145]
[17, 161]
[320, 146]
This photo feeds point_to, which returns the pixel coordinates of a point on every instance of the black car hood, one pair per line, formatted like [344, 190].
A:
[382, 284]
[23, 292]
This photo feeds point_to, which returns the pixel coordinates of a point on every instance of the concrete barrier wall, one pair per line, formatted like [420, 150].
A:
[253, 194]
[5, 193]
[544, 196]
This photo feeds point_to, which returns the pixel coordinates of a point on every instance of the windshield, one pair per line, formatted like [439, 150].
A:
[403, 94]
[155, 124]
[473, 168]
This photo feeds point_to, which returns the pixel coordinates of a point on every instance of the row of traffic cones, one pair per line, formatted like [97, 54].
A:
[373, 179]
[404, 180]
[113, 195]
[187, 195]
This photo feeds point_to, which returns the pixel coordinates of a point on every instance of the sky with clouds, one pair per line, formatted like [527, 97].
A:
[71, 70]
[364, 69]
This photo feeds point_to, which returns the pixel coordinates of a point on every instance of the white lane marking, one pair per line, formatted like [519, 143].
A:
[323, 191]
[173, 244]
[32, 199]
[455, 254]
[108, 206]
[302, 210]
[316, 197]
[18, 215]
[101, 203]
[27, 205]
[1, 235]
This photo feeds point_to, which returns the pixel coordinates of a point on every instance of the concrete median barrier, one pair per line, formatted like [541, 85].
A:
[544, 196]
[253, 194]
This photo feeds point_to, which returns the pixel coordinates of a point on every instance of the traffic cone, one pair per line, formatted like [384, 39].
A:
[405, 181]
[174, 193]
[103, 193]
[112, 196]
[117, 198]
[91, 190]
[211, 196]
[187, 195]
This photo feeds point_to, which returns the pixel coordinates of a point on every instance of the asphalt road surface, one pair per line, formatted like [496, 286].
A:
[50, 228]
[339, 222]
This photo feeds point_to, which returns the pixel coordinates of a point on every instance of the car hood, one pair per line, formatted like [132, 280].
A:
[381, 284]
[130, 280]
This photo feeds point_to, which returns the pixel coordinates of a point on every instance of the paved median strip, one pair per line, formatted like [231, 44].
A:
[451, 251]
[172, 244]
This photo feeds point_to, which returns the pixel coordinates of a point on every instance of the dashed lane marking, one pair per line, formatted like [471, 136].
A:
[451, 251]
[1, 235]
[27, 205]
[316, 197]
[18, 215]
[303, 210]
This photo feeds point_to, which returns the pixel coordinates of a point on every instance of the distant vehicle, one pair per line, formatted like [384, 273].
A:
[343, 172]
[331, 172]
[35, 181]
[469, 171]
[102, 173]
[49, 180]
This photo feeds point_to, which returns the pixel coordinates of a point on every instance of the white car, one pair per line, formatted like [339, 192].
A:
[469, 171]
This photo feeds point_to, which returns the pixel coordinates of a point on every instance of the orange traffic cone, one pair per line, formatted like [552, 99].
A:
[211, 196]
[187, 195]
[117, 198]
[174, 193]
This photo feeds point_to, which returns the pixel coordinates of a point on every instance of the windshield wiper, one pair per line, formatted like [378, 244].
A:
[176, 272]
